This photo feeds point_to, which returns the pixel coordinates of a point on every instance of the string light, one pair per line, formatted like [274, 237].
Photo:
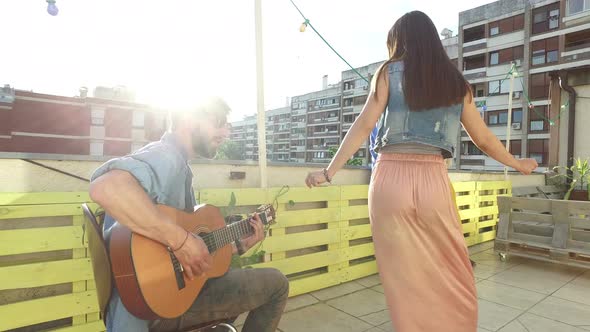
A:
[52, 8]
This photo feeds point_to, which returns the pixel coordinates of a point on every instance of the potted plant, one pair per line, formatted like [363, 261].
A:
[579, 189]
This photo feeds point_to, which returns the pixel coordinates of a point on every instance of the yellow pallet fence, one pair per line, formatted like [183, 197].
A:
[46, 279]
[322, 238]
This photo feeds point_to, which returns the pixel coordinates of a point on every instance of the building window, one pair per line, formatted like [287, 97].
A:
[469, 148]
[495, 88]
[506, 55]
[538, 119]
[501, 117]
[517, 115]
[515, 147]
[577, 6]
[545, 51]
[474, 62]
[494, 58]
[539, 150]
[473, 34]
[97, 117]
[507, 25]
[540, 85]
[546, 18]
[478, 90]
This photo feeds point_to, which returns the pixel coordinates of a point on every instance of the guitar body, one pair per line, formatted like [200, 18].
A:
[150, 281]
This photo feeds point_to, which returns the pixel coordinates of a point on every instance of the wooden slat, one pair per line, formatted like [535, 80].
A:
[529, 239]
[356, 232]
[355, 212]
[318, 194]
[469, 227]
[466, 200]
[534, 204]
[354, 192]
[301, 240]
[222, 197]
[44, 198]
[307, 217]
[488, 210]
[46, 210]
[23, 241]
[469, 213]
[530, 216]
[464, 186]
[44, 274]
[304, 262]
[47, 309]
[95, 326]
[580, 223]
[493, 185]
[360, 271]
[360, 251]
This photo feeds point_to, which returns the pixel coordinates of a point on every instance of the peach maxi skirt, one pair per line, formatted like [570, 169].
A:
[421, 253]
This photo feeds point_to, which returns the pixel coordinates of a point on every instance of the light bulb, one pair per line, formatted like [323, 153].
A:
[302, 27]
[562, 107]
[52, 8]
[515, 74]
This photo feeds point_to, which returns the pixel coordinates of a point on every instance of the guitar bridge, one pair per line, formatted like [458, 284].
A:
[178, 270]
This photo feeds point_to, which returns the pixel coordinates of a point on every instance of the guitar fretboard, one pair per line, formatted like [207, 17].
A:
[224, 236]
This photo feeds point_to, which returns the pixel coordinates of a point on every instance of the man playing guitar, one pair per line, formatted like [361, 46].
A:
[130, 187]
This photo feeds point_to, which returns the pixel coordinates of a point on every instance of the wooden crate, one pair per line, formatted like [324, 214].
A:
[46, 278]
[545, 229]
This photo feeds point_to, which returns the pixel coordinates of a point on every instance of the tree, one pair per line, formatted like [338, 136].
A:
[353, 161]
[230, 150]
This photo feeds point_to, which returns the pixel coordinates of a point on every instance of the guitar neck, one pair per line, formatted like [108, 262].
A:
[226, 235]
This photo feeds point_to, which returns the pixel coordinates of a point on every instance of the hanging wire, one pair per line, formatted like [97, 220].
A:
[306, 22]
[512, 70]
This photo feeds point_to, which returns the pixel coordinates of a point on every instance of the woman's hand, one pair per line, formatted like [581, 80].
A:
[314, 179]
[526, 166]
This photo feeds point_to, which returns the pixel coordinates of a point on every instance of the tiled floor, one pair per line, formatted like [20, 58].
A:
[516, 296]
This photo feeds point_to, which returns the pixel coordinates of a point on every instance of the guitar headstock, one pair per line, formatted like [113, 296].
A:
[267, 214]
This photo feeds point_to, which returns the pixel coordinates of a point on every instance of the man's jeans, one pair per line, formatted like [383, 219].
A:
[262, 292]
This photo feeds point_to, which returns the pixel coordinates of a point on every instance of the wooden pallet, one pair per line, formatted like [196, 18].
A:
[46, 278]
[547, 254]
[545, 229]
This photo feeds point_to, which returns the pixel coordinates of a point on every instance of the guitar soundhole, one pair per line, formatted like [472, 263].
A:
[177, 271]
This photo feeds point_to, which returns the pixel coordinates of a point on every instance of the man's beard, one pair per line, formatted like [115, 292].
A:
[202, 147]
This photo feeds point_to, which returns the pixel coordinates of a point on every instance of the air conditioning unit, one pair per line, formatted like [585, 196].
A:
[516, 126]
[516, 95]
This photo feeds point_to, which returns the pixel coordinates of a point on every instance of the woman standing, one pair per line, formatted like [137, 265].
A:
[422, 99]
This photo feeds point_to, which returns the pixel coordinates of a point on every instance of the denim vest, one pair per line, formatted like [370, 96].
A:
[438, 127]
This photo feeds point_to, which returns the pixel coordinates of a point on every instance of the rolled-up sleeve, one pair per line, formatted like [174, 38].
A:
[140, 170]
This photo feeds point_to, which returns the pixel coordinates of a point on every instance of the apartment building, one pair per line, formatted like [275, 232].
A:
[278, 134]
[108, 124]
[244, 133]
[549, 43]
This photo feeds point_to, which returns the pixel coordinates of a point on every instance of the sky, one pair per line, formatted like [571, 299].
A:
[171, 53]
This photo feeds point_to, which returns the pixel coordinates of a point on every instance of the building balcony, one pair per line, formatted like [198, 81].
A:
[475, 45]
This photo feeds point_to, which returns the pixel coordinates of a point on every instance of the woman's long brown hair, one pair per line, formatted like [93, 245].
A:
[430, 79]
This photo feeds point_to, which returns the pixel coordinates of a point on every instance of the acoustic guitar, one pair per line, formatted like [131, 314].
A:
[150, 279]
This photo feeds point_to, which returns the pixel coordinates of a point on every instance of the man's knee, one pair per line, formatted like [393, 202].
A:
[279, 282]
